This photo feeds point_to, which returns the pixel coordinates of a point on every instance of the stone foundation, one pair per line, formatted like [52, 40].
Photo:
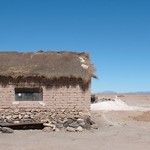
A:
[71, 120]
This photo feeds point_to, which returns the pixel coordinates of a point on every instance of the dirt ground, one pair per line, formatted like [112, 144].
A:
[118, 130]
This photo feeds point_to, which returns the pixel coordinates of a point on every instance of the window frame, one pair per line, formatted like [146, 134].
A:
[29, 94]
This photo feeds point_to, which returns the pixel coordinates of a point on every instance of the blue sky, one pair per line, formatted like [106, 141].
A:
[116, 33]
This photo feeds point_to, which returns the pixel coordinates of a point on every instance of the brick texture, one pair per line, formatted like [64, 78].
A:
[54, 97]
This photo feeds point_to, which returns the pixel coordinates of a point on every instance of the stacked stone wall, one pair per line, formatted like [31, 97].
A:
[59, 106]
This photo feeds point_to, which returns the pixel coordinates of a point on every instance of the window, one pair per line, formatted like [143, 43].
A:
[28, 94]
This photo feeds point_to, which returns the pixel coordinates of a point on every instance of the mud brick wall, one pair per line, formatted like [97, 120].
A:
[62, 106]
[54, 97]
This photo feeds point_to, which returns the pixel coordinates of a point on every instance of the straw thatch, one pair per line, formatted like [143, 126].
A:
[49, 65]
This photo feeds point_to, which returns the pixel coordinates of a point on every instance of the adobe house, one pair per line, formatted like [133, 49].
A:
[35, 86]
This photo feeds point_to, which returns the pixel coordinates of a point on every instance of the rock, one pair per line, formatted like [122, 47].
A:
[27, 120]
[16, 122]
[79, 129]
[15, 116]
[26, 116]
[32, 116]
[62, 116]
[38, 115]
[8, 117]
[16, 111]
[76, 116]
[80, 120]
[8, 120]
[70, 120]
[52, 126]
[47, 129]
[92, 122]
[70, 116]
[64, 120]
[27, 109]
[3, 117]
[1, 120]
[45, 121]
[54, 122]
[28, 113]
[82, 124]
[81, 113]
[20, 116]
[94, 126]
[23, 113]
[70, 129]
[7, 130]
[47, 124]
[53, 115]
[74, 125]
[87, 121]
[60, 121]
[66, 124]
[62, 110]
[0, 128]
[59, 125]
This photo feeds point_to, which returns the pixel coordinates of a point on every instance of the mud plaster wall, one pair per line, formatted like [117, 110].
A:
[59, 104]
[54, 97]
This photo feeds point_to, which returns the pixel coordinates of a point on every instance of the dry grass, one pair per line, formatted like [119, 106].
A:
[49, 65]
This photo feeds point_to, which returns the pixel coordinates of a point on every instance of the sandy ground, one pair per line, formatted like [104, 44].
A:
[117, 131]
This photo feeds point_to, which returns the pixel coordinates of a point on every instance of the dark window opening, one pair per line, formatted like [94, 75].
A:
[28, 94]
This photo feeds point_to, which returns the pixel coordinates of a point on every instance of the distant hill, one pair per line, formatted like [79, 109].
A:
[108, 92]
[140, 92]
[112, 92]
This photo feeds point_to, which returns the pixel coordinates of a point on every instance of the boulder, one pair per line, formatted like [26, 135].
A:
[16, 121]
[81, 113]
[70, 129]
[65, 124]
[61, 116]
[79, 129]
[47, 129]
[94, 126]
[8, 117]
[20, 116]
[15, 116]
[45, 121]
[59, 125]
[74, 124]
[8, 120]
[16, 111]
[87, 121]
[69, 120]
[26, 116]
[1, 120]
[7, 130]
[48, 125]
[81, 122]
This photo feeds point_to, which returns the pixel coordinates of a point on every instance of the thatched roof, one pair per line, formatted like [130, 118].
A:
[49, 65]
